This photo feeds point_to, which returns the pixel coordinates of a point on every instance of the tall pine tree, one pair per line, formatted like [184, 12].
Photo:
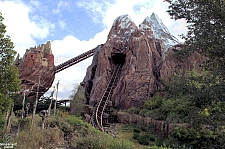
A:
[9, 81]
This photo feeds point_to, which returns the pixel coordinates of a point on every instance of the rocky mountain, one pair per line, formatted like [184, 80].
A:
[36, 69]
[146, 55]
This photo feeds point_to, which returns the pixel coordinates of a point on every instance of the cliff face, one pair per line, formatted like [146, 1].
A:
[145, 56]
[36, 67]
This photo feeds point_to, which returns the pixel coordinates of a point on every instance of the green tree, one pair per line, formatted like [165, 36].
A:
[78, 101]
[9, 81]
[206, 33]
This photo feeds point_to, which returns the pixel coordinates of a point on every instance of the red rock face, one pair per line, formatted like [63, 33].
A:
[37, 64]
[146, 60]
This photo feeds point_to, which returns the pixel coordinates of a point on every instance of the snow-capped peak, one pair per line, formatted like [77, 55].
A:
[124, 21]
[160, 31]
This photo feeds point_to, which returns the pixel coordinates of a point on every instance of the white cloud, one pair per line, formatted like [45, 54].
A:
[106, 12]
[62, 24]
[35, 3]
[22, 30]
[61, 5]
[68, 48]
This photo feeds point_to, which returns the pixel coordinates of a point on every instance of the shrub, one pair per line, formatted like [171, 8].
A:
[143, 139]
[203, 137]
[128, 128]
[2, 123]
[141, 125]
[143, 111]
[61, 124]
[137, 130]
[74, 121]
[148, 113]
[154, 102]
[25, 123]
[158, 147]
[136, 136]
[133, 110]
[61, 114]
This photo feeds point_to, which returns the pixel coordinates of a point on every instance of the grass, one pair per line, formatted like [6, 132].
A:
[68, 131]
[126, 134]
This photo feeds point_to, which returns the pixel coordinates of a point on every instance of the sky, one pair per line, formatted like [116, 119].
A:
[74, 27]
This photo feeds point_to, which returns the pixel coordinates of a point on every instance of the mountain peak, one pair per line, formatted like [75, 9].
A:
[160, 31]
[123, 21]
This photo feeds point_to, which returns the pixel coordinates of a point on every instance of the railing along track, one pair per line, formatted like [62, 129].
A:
[98, 115]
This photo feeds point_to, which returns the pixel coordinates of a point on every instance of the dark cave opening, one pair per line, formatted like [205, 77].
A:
[119, 58]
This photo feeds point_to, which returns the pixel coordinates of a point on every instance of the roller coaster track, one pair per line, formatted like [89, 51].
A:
[97, 116]
[74, 60]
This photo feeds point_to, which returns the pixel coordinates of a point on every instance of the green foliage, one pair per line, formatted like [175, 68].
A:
[203, 89]
[154, 103]
[128, 128]
[25, 123]
[2, 125]
[89, 137]
[48, 138]
[144, 139]
[75, 121]
[61, 114]
[9, 81]
[170, 110]
[78, 101]
[137, 130]
[206, 21]
[66, 128]
[158, 147]
[196, 138]
[133, 110]
[136, 135]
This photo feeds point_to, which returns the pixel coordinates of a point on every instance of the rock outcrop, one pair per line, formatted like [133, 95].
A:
[160, 127]
[36, 69]
[145, 53]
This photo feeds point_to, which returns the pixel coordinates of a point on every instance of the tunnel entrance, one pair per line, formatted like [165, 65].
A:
[119, 58]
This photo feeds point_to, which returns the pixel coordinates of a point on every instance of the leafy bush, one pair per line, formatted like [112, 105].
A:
[25, 123]
[154, 102]
[137, 130]
[133, 110]
[143, 112]
[61, 124]
[191, 137]
[141, 125]
[128, 128]
[2, 126]
[143, 139]
[158, 147]
[2, 123]
[74, 121]
[61, 114]
[136, 136]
